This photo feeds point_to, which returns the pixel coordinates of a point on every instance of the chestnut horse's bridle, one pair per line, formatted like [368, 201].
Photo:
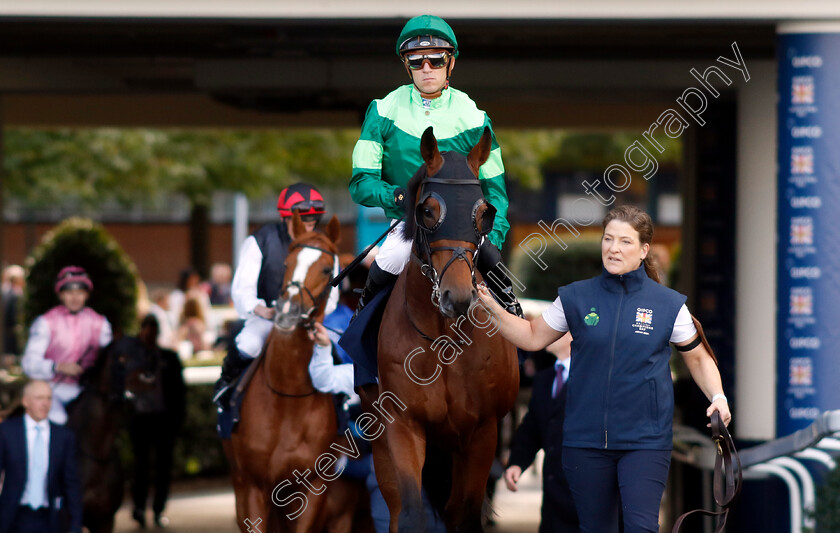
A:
[307, 318]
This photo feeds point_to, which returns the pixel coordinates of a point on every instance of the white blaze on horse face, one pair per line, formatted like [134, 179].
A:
[305, 259]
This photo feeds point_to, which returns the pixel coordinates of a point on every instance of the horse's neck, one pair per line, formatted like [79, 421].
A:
[287, 360]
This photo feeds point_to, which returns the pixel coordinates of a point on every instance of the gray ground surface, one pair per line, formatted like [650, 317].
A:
[211, 510]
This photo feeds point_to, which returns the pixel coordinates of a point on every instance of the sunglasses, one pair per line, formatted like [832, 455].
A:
[436, 60]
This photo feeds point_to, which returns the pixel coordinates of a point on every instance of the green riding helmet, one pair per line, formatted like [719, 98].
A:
[424, 32]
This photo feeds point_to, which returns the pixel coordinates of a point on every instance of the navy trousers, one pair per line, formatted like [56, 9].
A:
[600, 479]
[31, 521]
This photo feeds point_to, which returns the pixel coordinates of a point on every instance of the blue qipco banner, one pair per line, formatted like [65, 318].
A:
[809, 229]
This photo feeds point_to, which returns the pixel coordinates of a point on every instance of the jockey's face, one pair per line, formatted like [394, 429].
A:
[73, 299]
[37, 399]
[430, 81]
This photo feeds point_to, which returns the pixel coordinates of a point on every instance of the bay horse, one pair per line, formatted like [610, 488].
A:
[285, 424]
[96, 418]
[445, 378]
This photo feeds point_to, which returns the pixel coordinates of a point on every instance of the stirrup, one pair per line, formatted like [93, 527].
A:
[222, 394]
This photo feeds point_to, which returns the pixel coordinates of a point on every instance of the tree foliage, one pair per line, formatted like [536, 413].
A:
[83, 168]
[81, 242]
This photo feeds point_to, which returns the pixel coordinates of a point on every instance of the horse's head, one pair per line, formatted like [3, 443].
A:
[310, 266]
[107, 376]
[451, 218]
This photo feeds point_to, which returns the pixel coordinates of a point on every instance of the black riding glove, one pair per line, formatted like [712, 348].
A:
[399, 197]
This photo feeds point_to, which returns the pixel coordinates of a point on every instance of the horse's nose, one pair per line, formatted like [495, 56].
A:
[452, 304]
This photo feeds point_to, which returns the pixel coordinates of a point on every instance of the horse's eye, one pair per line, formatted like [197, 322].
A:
[327, 270]
[427, 212]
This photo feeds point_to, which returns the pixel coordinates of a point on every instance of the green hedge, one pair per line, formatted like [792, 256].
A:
[828, 503]
[580, 260]
[82, 242]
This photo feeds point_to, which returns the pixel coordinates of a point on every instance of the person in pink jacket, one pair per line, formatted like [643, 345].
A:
[65, 340]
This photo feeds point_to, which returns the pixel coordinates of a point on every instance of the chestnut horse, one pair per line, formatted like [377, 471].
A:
[446, 378]
[285, 424]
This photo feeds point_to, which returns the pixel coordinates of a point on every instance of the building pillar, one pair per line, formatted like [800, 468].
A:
[755, 275]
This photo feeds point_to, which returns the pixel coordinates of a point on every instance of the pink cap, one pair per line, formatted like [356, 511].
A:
[73, 277]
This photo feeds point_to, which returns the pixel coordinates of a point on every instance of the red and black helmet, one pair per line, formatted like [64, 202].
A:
[300, 197]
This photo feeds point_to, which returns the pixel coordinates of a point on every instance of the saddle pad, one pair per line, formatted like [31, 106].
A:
[361, 338]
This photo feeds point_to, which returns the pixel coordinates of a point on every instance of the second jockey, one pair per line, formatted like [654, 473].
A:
[65, 340]
[258, 279]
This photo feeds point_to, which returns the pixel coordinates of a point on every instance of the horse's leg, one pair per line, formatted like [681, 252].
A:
[343, 497]
[470, 469]
[407, 450]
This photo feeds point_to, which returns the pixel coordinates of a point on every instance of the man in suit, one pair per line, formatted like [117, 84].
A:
[542, 428]
[42, 489]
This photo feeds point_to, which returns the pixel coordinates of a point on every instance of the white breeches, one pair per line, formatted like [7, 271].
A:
[395, 251]
[253, 335]
[63, 393]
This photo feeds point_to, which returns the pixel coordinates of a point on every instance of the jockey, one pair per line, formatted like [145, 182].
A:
[387, 153]
[258, 279]
[64, 341]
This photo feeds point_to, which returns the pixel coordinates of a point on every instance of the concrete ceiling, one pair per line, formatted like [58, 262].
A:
[206, 72]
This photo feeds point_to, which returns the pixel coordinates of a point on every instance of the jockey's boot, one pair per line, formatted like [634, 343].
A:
[377, 279]
[232, 366]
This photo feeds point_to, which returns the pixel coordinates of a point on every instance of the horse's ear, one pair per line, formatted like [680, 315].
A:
[297, 225]
[333, 230]
[429, 151]
[480, 152]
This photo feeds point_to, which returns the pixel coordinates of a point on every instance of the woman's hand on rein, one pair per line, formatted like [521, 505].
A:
[320, 335]
[487, 297]
[721, 406]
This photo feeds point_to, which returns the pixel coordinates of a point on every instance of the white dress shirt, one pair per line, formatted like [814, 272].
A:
[29, 430]
[328, 377]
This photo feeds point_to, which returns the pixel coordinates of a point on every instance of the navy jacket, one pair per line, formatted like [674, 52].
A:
[542, 428]
[63, 485]
[274, 241]
[620, 394]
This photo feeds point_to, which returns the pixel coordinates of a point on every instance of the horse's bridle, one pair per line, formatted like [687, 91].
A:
[307, 318]
[425, 262]
[424, 250]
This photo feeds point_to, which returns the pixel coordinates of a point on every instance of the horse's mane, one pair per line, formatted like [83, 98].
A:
[411, 198]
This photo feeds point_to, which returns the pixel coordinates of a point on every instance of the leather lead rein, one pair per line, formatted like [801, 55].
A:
[727, 475]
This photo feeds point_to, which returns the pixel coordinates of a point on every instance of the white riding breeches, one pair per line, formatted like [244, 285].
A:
[253, 335]
[63, 393]
[395, 251]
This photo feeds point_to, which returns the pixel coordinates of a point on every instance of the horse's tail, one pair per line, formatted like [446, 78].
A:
[437, 477]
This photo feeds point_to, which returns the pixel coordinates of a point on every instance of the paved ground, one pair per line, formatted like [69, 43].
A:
[212, 510]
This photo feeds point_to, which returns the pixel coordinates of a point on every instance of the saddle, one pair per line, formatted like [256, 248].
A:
[727, 475]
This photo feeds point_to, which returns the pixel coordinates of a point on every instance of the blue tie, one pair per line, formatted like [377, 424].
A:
[37, 470]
